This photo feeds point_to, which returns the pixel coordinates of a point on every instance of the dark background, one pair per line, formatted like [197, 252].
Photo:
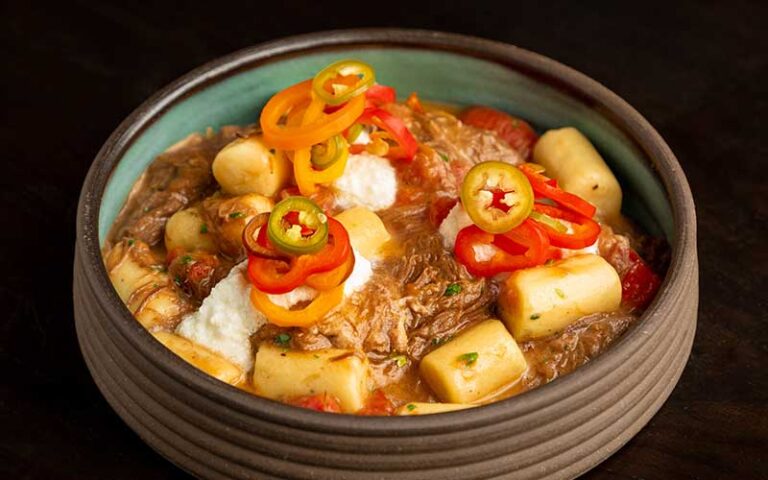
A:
[71, 73]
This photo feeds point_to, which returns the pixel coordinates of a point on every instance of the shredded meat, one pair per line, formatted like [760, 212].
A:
[178, 177]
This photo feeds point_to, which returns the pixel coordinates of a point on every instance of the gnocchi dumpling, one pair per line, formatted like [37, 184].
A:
[247, 165]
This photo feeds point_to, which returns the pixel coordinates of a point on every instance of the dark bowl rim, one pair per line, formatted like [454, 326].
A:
[578, 85]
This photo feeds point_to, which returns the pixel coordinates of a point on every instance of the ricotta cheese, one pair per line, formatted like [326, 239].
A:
[456, 219]
[369, 181]
[226, 320]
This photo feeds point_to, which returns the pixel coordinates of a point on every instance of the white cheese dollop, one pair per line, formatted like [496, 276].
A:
[456, 219]
[369, 181]
[484, 252]
[226, 320]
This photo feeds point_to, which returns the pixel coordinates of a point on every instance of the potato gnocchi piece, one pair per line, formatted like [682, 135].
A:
[425, 408]
[202, 358]
[143, 286]
[280, 373]
[367, 232]
[571, 159]
[228, 217]
[187, 230]
[247, 165]
[540, 301]
[481, 360]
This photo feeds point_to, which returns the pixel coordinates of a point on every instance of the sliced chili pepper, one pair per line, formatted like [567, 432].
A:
[255, 247]
[289, 236]
[325, 154]
[341, 81]
[332, 278]
[496, 196]
[414, 103]
[584, 230]
[524, 246]
[379, 95]
[543, 186]
[323, 303]
[639, 284]
[314, 128]
[283, 275]
[406, 146]
[516, 132]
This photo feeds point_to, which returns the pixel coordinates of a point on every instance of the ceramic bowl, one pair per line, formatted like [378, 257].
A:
[560, 430]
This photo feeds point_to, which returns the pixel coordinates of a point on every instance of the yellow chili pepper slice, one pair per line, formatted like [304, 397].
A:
[323, 303]
[306, 176]
[322, 126]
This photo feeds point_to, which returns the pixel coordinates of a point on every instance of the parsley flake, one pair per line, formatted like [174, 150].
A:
[131, 242]
[452, 289]
[236, 215]
[444, 157]
[411, 407]
[535, 316]
[560, 293]
[186, 259]
[468, 358]
[282, 339]
[400, 360]
[204, 228]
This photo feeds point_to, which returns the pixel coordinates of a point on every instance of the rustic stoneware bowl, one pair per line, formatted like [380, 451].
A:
[557, 431]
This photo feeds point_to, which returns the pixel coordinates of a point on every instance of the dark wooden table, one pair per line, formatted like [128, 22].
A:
[72, 73]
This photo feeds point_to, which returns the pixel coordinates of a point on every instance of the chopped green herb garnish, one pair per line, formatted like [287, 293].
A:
[177, 280]
[444, 157]
[316, 356]
[535, 316]
[204, 228]
[185, 259]
[282, 339]
[468, 358]
[236, 215]
[560, 293]
[452, 289]
[400, 360]
[411, 407]
[131, 242]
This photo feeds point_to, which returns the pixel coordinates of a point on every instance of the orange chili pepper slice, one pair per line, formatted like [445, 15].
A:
[320, 127]
[309, 315]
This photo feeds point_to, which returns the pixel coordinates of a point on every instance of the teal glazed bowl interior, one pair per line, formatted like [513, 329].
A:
[560, 430]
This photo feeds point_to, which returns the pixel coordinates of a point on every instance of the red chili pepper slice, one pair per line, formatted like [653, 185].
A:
[281, 276]
[378, 95]
[639, 284]
[406, 145]
[585, 230]
[543, 187]
[524, 246]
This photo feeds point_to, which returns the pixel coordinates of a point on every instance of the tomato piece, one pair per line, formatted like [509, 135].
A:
[496, 196]
[321, 402]
[378, 404]
[639, 284]
[585, 230]
[516, 132]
